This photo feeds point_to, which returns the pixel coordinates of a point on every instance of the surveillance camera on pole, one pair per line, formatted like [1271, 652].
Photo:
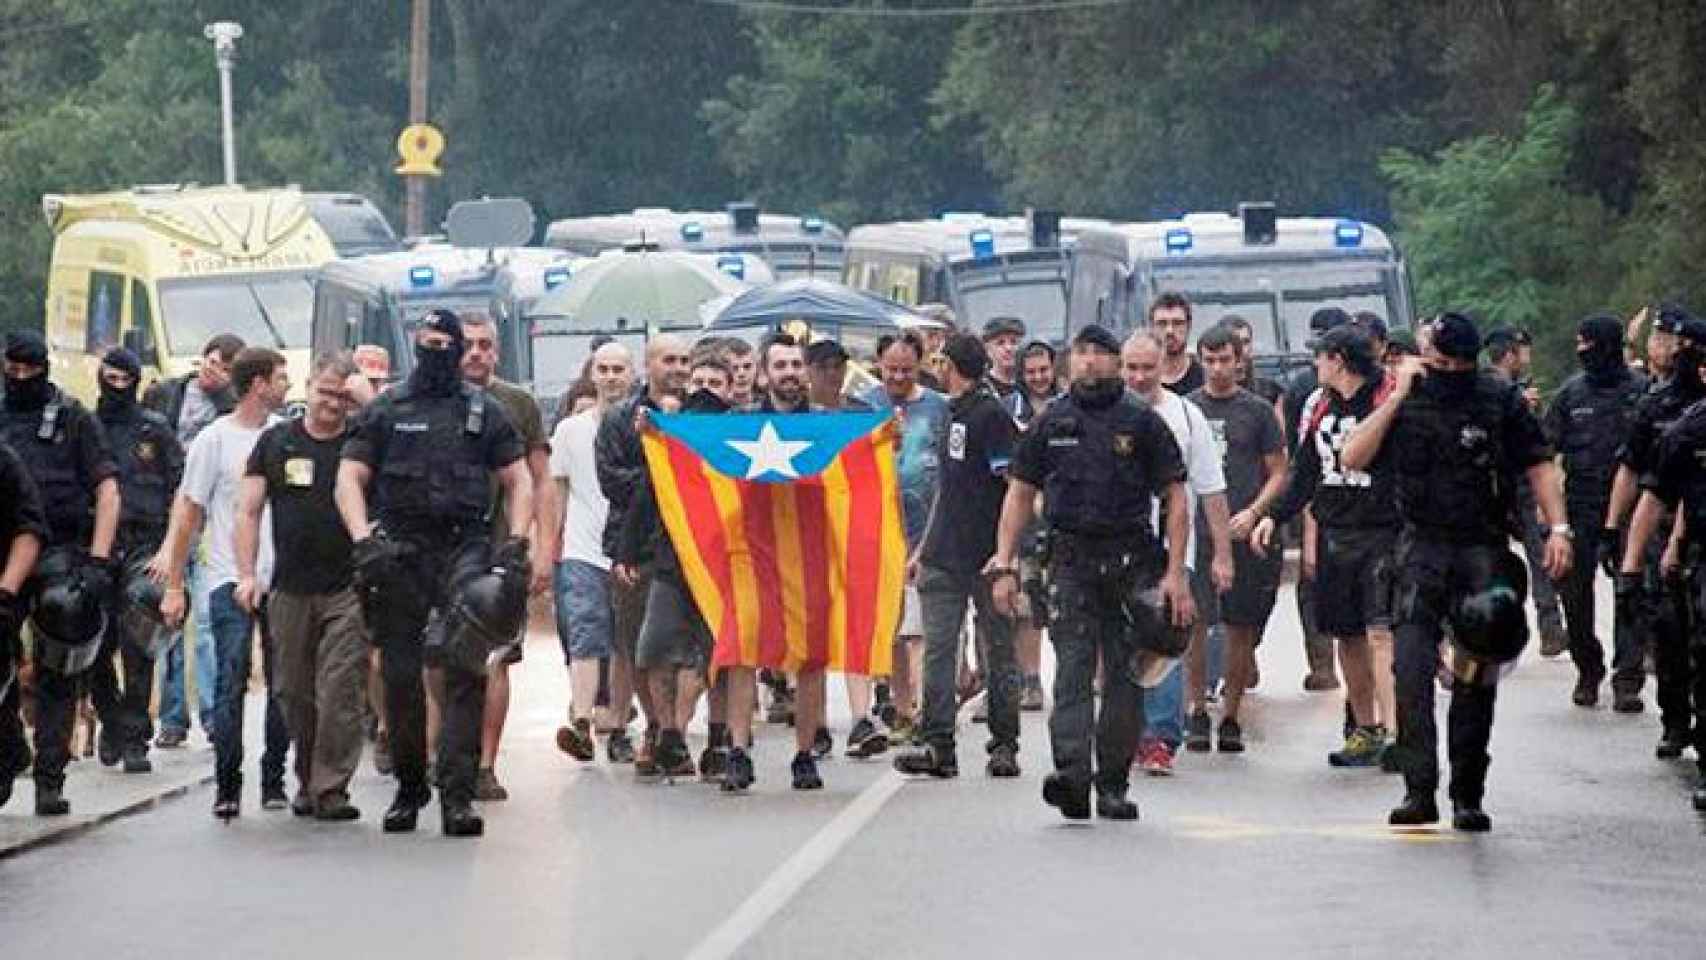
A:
[224, 35]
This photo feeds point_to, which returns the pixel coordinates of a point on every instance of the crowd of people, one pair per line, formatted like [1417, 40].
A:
[1132, 500]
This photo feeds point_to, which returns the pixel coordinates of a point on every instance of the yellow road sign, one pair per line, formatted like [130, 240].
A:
[420, 145]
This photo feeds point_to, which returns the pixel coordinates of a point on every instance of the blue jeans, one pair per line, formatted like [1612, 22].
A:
[233, 638]
[1164, 710]
[174, 713]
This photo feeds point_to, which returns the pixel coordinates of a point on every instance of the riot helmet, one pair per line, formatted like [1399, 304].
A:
[1488, 625]
[486, 612]
[140, 623]
[69, 619]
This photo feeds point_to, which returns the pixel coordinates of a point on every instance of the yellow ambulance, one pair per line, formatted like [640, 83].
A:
[163, 269]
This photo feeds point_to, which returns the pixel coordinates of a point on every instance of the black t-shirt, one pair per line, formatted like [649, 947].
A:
[1341, 497]
[1246, 431]
[1190, 381]
[974, 452]
[309, 539]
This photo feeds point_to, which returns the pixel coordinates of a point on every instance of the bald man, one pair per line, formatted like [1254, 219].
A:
[621, 467]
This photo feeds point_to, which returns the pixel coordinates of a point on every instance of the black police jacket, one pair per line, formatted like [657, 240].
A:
[1661, 406]
[1587, 423]
[62, 446]
[150, 463]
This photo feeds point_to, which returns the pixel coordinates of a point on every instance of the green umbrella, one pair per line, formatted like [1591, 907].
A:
[640, 291]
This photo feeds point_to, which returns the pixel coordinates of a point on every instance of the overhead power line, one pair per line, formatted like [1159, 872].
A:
[990, 10]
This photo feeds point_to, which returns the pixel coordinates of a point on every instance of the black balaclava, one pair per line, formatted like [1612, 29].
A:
[1603, 358]
[438, 373]
[1102, 391]
[27, 393]
[117, 404]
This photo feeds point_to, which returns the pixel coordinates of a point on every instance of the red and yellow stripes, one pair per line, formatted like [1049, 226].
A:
[799, 575]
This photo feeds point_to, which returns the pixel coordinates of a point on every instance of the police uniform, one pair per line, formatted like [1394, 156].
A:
[1679, 474]
[21, 513]
[1457, 444]
[432, 445]
[1100, 456]
[150, 463]
[62, 447]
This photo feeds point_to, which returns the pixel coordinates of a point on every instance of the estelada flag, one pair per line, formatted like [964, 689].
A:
[788, 527]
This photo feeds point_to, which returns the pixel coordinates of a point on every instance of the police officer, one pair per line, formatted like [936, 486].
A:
[1678, 475]
[61, 445]
[429, 449]
[1458, 439]
[150, 464]
[1675, 351]
[1098, 455]
[23, 526]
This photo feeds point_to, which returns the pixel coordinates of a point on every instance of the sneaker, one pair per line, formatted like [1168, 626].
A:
[1072, 799]
[903, 730]
[1672, 743]
[804, 769]
[1586, 693]
[336, 808]
[673, 758]
[1627, 703]
[273, 796]
[1554, 639]
[925, 760]
[1111, 805]
[1470, 818]
[136, 758]
[1197, 730]
[171, 739]
[1031, 696]
[713, 763]
[227, 802]
[823, 745]
[1362, 749]
[1417, 810]
[1230, 738]
[1155, 758]
[382, 761]
[487, 787]
[1003, 761]
[302, 805]
[576, 740]
[739, 775]
[618, 748]
[865, 740]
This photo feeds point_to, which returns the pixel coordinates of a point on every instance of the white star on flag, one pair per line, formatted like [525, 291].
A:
[770, 453]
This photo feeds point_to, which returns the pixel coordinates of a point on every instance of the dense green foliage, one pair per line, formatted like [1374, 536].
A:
[1538, 158]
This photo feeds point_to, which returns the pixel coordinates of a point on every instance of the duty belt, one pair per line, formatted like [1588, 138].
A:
[1130, 553]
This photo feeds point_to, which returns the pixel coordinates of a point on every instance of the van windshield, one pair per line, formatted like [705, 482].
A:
[1035, 293]
[265, 309]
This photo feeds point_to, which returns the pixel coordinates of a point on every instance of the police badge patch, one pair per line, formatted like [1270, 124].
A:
[146, 451]
[1124, 444]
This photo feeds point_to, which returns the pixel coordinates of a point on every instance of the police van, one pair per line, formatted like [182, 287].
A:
[163, 269]
[792, 246]
[1272, 271]
[378, 300]
[982, 266]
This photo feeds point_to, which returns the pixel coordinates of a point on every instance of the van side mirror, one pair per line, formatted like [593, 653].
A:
[140, 341]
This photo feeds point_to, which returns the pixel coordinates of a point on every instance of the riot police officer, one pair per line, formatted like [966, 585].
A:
[429, 449]
[1587, 422]
[1099, 456]
[150, 464]
[23, 526]
[62, 447]
[1458, 439]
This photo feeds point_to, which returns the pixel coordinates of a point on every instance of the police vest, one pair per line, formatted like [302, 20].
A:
[1097, 485]
[43, 441]
[434, 469]
[1452, 461]
[1597, 420]
[141, 445]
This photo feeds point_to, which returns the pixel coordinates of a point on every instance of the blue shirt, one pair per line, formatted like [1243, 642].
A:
[923, 420]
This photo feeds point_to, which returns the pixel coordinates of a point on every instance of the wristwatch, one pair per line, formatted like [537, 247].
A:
[1562, 530]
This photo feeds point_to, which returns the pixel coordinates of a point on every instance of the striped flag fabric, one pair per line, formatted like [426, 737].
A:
[788, 528]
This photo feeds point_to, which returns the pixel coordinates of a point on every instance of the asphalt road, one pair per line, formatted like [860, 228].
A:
[1594, 853]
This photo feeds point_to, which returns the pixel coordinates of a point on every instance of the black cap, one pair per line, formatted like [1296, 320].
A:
[1371, 322]
[1455, 336]
[1694, 331]
[445, 322]
[1326, 319]
[1000, 326]
[1506, 336]
[1097, 335]
[1353, 345]
[967, 354]
[121, 359]
[26, 346]
[825, 351]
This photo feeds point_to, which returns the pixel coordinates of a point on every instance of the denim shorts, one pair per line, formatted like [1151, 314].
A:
[585, 622]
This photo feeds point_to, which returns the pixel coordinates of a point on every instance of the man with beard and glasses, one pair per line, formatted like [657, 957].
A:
[1170, 318]
[429, 450]
[150, 466]
[63, 449]
[207, 501]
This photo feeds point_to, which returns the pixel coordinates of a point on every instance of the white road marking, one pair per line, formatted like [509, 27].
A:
[795, 872]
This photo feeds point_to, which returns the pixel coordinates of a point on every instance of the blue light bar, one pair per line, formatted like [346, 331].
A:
[811, 224]
[983, 244]
[556, 277]
[733, 264]
[1179, 240]
[1347, 233]
[692, 232]
[422, 276]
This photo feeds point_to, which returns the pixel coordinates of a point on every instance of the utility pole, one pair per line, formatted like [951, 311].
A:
[224, 35]
[414, 216]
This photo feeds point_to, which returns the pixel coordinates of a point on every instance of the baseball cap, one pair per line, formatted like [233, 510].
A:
[1097, 335]
[1455, 336]
[999, 326]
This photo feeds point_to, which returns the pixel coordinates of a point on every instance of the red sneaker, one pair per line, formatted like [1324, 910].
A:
[1156, 758]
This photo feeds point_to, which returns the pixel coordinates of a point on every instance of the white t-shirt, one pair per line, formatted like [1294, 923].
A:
[1197, 447]
[213, 471]
[572, 460]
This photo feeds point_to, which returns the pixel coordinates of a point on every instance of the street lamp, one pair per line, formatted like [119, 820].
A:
[224, 35]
